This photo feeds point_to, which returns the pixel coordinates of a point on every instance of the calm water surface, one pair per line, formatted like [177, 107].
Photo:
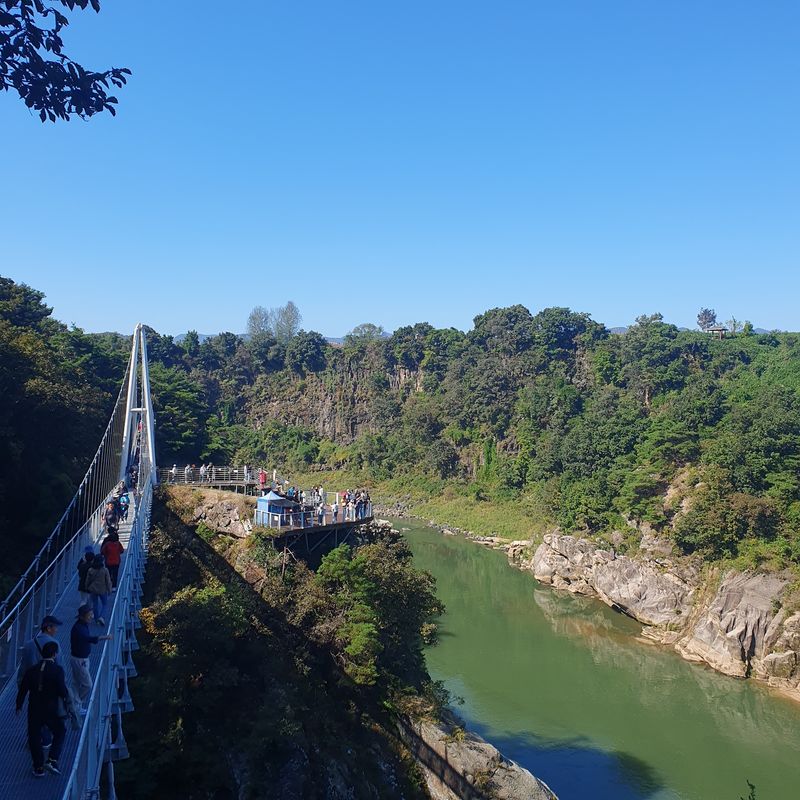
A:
[560, 686]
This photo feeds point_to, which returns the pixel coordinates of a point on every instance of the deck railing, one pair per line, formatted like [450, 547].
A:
[309, 518]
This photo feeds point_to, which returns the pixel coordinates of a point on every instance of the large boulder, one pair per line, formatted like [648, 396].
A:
[733, 633]
[639, 588]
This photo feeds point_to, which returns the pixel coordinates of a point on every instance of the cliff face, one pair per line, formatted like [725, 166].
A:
[339, 405]
[733, 621]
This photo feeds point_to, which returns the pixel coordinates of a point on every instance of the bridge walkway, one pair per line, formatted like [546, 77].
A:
[16, 778]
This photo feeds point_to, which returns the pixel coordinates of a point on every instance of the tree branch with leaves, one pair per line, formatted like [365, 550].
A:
[56, 87]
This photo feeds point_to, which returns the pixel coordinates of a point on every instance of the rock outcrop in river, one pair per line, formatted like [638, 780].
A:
[733, 621]
[459, 765]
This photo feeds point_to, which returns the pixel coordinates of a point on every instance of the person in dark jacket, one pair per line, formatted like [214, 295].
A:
[81, 641]
[83, 568]
[44, 686]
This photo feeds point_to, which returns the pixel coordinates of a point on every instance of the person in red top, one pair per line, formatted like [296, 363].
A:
[262, 481]
[112, 551]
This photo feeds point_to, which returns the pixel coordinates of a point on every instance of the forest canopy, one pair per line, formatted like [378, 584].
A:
[693, 435]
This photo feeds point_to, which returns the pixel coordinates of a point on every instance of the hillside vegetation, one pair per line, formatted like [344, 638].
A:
[525, 420]
[548, 414]
[57, 389]
[265, 680]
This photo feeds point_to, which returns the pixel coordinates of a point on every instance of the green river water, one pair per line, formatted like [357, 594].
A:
[560, 685]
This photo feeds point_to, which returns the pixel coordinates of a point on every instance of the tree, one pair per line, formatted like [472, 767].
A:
[364, 333]
[706, 319]
[407, 344]
[306, 352]
[180, 408]
[55, 87]
[259, 323]
[286, 322]
[734, 326]
[191, 344]
[280, 323]
[22, 306]
[505, 331]
[653, 358]
[557, 330]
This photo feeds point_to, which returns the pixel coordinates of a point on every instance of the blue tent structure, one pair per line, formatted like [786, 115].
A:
[273, 504]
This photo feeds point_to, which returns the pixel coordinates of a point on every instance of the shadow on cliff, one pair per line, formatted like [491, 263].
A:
[575, 769]
[184, 548]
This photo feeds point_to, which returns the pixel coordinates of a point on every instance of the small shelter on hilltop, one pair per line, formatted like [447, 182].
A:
[718, 330]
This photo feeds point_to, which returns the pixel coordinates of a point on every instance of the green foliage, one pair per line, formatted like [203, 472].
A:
[364, 333]
[387, 606]
[58, 390]
[306, 352]
[717, 523]
[57, 87]
[238, 684]
[179, 406]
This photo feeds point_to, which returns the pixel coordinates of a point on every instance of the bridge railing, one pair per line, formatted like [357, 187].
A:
[102, 739]
[23, 620]
[37, 591]
[192, 475]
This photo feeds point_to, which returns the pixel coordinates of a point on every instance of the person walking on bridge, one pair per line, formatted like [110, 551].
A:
[81, 641]
[98, 584]
[32, 652]
[110, 516]
[124, 505]
[112, 551]
[44, 686]
[83, 568]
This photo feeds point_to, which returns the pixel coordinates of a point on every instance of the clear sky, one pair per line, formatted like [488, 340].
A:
[410, 161]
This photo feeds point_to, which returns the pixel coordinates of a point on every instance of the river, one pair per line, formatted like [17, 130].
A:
[560, 685]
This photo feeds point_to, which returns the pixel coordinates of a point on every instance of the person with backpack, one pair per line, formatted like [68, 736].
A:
[32, 652]
[81, 641]
[98, 584]
[124, 504]
[112, 551]
[110, 516]
[83, 568]
[44, 686]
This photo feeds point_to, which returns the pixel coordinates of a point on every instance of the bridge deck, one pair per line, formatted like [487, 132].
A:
[16, 778]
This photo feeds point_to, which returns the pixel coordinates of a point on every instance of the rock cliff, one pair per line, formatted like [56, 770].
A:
[458, 765]
[733, 621]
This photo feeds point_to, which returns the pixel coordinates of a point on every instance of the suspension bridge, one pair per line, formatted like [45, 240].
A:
[49, 586]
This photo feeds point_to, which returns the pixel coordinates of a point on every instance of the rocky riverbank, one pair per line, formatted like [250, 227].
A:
[736, 622]
[742, 624]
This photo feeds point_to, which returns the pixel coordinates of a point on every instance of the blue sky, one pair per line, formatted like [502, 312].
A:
[415, 161]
